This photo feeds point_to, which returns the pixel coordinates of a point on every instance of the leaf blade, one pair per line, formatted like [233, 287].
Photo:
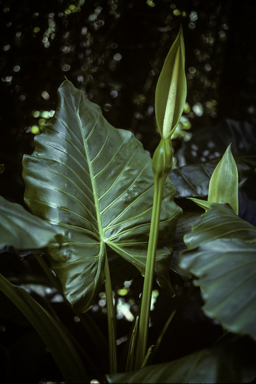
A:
[96, 182]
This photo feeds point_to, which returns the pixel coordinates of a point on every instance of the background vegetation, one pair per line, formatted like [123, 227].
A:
[114, 51]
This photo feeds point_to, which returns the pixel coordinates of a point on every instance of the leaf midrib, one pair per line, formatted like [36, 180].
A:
[95, 194]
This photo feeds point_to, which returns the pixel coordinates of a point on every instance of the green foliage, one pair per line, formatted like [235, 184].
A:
[221, 254]
[95, 197]
[95, 182]
[223, 186]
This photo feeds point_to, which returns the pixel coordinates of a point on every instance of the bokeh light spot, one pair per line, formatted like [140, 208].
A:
[35, 130]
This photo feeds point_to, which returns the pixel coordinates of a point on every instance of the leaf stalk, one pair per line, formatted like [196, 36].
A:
[149, 273]
[111, 320]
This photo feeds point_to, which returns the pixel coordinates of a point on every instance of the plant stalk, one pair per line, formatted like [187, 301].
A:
[111, 321]
[149, 273]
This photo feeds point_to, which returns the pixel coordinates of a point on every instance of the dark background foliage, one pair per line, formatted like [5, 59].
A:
[114, 51]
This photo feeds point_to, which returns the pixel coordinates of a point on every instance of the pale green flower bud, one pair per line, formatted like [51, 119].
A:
[162, 159]
[171, 89]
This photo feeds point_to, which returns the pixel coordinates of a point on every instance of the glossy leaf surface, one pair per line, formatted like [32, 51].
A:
[222, 255]
[231, 360]
[22, 230]
[95, 182]
[51, 331]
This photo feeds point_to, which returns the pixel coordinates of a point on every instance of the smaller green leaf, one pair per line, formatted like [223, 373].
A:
[2, 168]
[22, 230]
[223, 187]
[171, 89]
[201, 203]
[51, 331]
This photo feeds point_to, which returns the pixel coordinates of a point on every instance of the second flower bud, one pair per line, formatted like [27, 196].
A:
[162, 159]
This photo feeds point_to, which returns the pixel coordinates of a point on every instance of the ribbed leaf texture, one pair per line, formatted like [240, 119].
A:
[96, 182]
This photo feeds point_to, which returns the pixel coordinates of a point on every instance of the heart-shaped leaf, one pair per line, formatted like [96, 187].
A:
[222, 255]
[22, 230]
[230, 360]
[96, 182]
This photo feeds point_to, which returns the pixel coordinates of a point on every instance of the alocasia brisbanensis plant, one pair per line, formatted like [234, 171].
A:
[90, 188]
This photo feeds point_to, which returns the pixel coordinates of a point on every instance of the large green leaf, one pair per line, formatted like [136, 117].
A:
[231, 360]
[222, 255]
[22, 230]
[51, 331]
[97, 183]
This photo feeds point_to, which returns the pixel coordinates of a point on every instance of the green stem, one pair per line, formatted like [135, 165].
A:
[149, 273]
[111, 321]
